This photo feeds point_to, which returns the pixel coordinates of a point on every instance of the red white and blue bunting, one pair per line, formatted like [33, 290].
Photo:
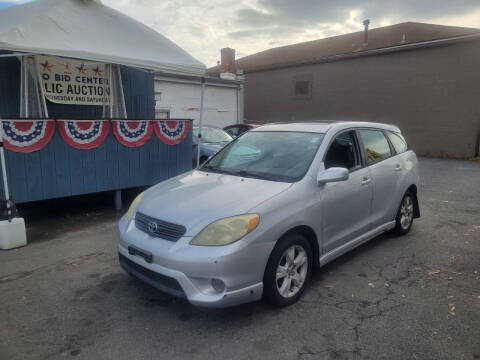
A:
[82, 134]
[27, 136]
[132, 133]
[172, 132]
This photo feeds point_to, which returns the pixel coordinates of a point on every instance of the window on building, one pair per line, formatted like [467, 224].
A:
[302, 86]
[376, 146]
[162, 114]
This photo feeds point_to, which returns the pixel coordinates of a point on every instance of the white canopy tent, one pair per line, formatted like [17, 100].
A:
[86, 29]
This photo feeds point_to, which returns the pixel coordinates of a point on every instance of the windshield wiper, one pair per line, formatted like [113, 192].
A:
[216, 170]
[257, 175]
[245, 173]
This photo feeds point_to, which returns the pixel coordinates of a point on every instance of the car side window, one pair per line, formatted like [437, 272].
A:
[241, 130]
[376, 146]
[344, 152]
[398, 142]
[233, 131]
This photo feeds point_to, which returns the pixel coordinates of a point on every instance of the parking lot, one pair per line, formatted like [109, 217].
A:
[412, 297]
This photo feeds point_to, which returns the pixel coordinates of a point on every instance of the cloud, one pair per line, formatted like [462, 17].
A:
[202, 27]
[326, 11]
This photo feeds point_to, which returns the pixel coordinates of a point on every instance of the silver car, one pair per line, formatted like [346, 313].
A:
[268, 208]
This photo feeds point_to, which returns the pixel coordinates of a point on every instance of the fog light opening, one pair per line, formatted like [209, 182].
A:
[218, 285]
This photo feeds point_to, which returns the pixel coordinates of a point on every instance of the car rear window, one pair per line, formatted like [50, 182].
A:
[398, 142]
[376, 146]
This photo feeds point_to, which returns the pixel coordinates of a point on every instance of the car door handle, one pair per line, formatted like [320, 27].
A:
[366, 181]
[398, 167]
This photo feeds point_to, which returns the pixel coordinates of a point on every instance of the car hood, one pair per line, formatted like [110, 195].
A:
[197, 198]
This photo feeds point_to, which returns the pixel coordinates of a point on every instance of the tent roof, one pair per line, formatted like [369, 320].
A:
[86, 29]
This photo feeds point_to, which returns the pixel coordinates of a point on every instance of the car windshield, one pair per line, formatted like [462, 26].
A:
[212, 135]
[270, 155]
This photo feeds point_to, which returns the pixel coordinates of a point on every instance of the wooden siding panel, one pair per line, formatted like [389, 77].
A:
[48, 170]
[62, 174]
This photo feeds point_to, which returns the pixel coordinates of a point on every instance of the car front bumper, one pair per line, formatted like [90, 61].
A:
[185, 270]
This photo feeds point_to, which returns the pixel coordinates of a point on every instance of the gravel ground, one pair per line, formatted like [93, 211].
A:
[412, 297]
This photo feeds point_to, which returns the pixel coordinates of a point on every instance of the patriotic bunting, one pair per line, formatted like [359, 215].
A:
[27, 136]
[132, 133]
[32, 135]
[83, 134]
[172, 132]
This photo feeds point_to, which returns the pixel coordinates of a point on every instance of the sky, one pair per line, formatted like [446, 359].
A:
[202, 27]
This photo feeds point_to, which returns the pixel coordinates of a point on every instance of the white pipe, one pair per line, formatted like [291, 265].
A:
[4, 167]
[232, 83]
[15, 55]
[25, 87]
[201, 119]
[111, 92]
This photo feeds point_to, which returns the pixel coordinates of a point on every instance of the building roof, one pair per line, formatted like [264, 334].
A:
[86, 29]
[347, 45]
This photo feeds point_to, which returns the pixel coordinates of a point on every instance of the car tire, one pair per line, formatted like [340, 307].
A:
[405, 214]
[293, 278]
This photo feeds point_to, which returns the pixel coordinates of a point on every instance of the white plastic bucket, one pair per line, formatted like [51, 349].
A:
[12, 234]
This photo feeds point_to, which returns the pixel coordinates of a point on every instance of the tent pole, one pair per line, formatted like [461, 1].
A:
[201, 119]
[4, 167]
[111, 91]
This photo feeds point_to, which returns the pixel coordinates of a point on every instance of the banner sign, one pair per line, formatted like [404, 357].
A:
[172, 132]
[68, 81]
[83, 135]
[26, 136]
[132, 133]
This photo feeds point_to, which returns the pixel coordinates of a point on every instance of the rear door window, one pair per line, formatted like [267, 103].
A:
[376, 146]
[398, 142]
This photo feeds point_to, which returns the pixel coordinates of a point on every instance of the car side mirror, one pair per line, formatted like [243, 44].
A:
[332, 174]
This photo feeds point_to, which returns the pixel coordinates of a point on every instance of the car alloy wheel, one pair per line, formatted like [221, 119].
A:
[406, 212]
[288, 270]
[292, 271]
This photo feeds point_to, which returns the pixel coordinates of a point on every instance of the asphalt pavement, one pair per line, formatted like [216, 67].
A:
[413, 297]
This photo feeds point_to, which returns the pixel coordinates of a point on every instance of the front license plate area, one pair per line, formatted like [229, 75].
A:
[147, 256]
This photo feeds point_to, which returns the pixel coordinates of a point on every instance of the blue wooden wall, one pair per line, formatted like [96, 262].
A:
[58, 170]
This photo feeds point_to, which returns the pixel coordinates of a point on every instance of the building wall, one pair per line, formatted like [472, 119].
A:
[182, 100]
[432, 94]
[58, 170]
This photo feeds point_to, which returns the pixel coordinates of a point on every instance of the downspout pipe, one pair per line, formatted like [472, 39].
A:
[202, 92]
[3, 165]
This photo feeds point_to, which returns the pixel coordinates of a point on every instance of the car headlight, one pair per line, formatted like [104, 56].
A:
[226, 231]
[133, 206]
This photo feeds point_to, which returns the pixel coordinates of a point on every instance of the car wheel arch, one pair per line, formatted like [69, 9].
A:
[416, 207]
[310, 235]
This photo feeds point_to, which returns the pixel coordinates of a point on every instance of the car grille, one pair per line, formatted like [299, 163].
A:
[159, 228]
[159, 281]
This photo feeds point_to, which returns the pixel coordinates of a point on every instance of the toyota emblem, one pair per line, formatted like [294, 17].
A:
[152, 227]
